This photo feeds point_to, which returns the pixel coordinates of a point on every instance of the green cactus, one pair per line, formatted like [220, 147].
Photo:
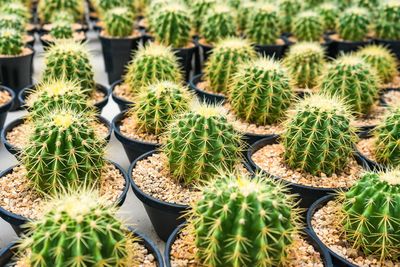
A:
[354, 80]
[199, 9]
[152, 10]
[47, 8]
[11, 43]
[199, 142]
[305, 62]
[62, 15]
[63, 151]
[244, 13]
[261, 91]
[224, 60]
[61, 30]
[150, 64]
[263, 25]
[78, 229]
[12, 22]
[118, 22]
[70, 60]
[329, 13]
[387, 25]
[18, 9]
[353, 24]
[370, 210]
[219, 23]
[244, 221]
[318, 137]
[371, 5]
[308, 26]
[104, 5]
[343, 4]
[158, 104]
[310, 4]
[287, 11]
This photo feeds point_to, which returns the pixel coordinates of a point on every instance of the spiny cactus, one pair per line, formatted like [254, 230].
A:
[354, 80]
[353, 24]
[153, 9]
[199, 9]
[244, 13]
[104, 5]
[62, 15]
[47, 8]
[11, 43]
[343, 4]
[263, 25]
[63, 151]
[118, 22]
[199, 142]
[79, 229]
[12, 22]
[244, 221]
[318, 137]
[224, 60]
[305, 62]
[17, 9]
[387, 25]
[370, 210]
[61, 30]
[287, 11]
[371, 5]
[308, 26]
[382, 60]
[329, 13]
[158, 104]
[150, 64]
[261, 91]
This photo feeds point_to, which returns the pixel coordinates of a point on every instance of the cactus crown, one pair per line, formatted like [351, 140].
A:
[244, 221]
[62, 15]
[11, 43]
[318, 137]
[12, 22]
[199, 142]
[199, 9]
[61, 30]
[263, 25]
[118, 22]
[223, 62]
[261, 91]
[287, 11]
[353, 24]
[387, 22]
[18, 9]
[47, 8]
[152, 63]
[308, 26]
[305, 62]
[329, 13]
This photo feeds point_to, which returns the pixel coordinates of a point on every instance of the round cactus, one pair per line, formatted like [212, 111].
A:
[287, 11]
[104, 5]
[62, 15]
[118, 22]
[244, 13]
[244, 221]
[158, 104]
[329, 13]
[11, 43]
[308, 26]
[199, 142]
[17, 9]
[12, 22]
[199, 9]
[305, 62]
[61, 30]
[261, 91]
[47, 8]
[224, 60]
[368, 4]
[387, 25]
[370, 210]
[354, 80]
[353, 24]
[150, 64]
[318, 137]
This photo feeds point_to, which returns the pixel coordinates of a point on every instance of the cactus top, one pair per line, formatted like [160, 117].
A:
[301, 49]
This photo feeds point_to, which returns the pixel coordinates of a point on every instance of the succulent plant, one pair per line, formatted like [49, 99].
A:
[308, 26]
[11, 43]
[305, 62]
[158, 104]
[343, 4]
[153, 9]
[17, 9]
[318, 137]
[104, 5]
[199, 9]
[370, 214]
[387, 22]
[371, 5]
[287, 11]
[353, 24]
[224, 60]
[354, 80]
[62, 15]
[199, 142]
[61, 30]
[118, 22]
[11, 22]
[150, 64]
[261, 91]
[382, 60]
[63, 151]
[329, 13]
[47, 8]
[244, 13]
[244, 221]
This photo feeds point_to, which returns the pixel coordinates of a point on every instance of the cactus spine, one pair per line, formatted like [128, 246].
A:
[329, 13]
[11, 43]
[61, 30]
[287, 11]
[118, 22]
[308, 26]
[387, 22]
[199, 9]
[353, 24]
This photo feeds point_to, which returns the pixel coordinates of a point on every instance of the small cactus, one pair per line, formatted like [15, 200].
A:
[118, 22]
[62, 15]
[12, 22]
[224, 60]
[17, 9]
[305, 62]
[199, 9]
[199, 142]
[244, 14]
[261, 91]
[104, 5]
[329, 13]
[387, 25]
[61, 30]
[308, 26]
[354, 80]
[47, 8]
[368, 4]
[318, 137]
[11, 43]
[288, 9]
[353, 24]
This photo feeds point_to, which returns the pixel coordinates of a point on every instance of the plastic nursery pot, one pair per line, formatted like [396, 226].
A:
[275, 50]
[336, 47]
[185, 57]
[7, 253]
[307, 194]
[122, 103]
[394, 46]
[325, 256]
[7, 106]
[203, 95]
[201, 56]
[133, 148]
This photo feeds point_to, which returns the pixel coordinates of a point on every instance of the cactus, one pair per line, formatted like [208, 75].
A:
[62, 15]
[104, 5]
[70, 60]
[351, 78]
[343, 4]
[382, 60]
[287, 11]
[63, 151]
[244, 221]
[199, 9]
[353, 24]
[329, 13]
[387, 22]
[150, 64]
[61, 30]
[244, 13]
[308, 26]
[158, 104]
[11, 43]
[118, 22]
[263, 25]
[318, 137]
[224, 60]
[47, 8]
[261, 91]
[370, 215]
[17, 9]
[199, 142]
[368, 4]
[79, 229]
[305, 62]
[12, 22]
[219, 23]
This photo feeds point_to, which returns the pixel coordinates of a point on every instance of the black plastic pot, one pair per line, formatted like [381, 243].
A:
[16, 221]
[307, 194]
[275, 50]
[325, 256]
[394, 46]
[31, 43]
[201, 56]
[203, 95]
[122, 103]
[337, 260]
[382, 93]
[7, 106]
[185, 57]
[117, 52]
[336, 47]
[133, 148]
